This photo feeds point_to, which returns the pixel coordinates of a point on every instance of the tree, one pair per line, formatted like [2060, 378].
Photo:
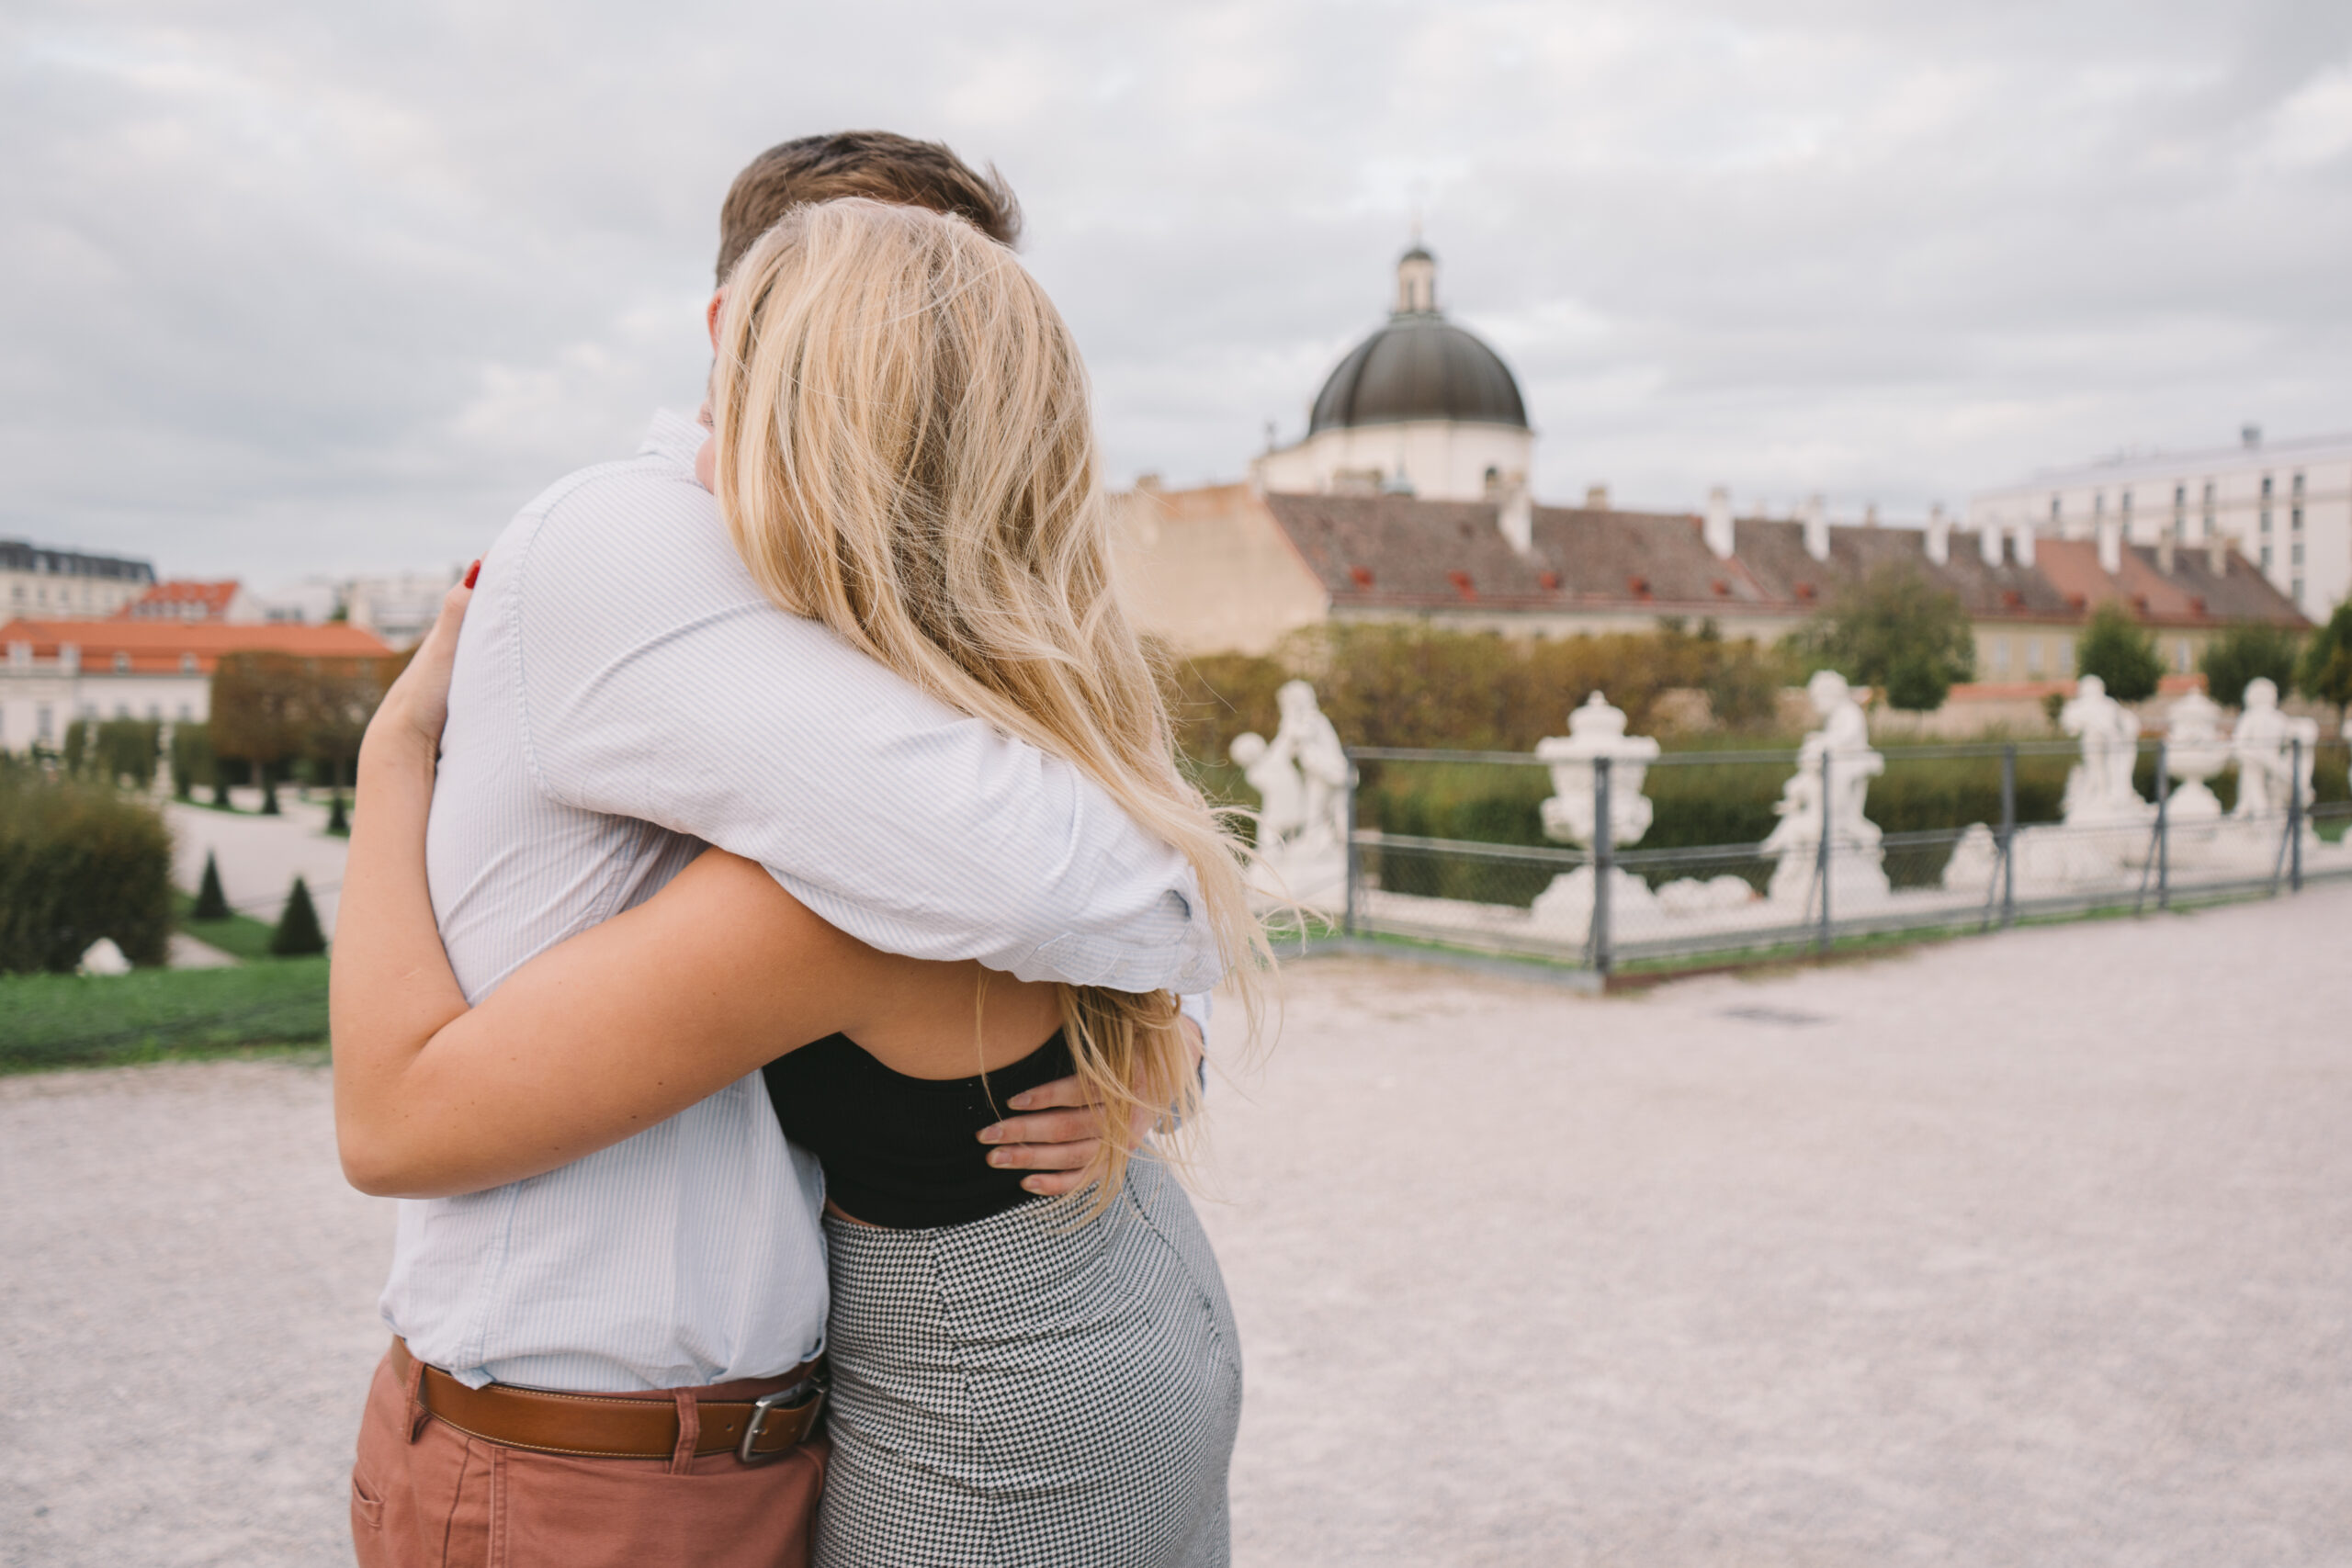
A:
[2248, 650]
[1895, 631]
[298, 934]
[192, 760]
[260, 714]
[344, 695]
[211, 903]
[2115, 649]
[2326, 674]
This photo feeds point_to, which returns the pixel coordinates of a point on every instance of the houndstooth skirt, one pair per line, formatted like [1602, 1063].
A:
[1032, 1389]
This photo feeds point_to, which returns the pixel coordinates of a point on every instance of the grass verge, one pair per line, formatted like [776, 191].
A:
[239, 936]
[56, 1021]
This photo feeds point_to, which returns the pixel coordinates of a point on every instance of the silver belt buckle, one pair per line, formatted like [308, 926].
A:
[802, 1395]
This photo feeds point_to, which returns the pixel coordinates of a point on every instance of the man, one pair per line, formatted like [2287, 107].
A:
[623, 696]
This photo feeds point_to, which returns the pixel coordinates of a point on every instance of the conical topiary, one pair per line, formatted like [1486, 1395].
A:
[338, 823]
[210, 903]
[298, 934]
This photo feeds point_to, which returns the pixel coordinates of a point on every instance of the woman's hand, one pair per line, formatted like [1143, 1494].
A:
[417, 708]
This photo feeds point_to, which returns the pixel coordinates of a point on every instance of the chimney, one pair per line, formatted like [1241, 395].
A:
[1939, 535]
[2023, 534]
[1717, 531]
[2217, 552]
[1596, 498]
[2166, 545]
[1870, 516]
[69, 658]
[2250, 437]
[1988, 541]
[2111, 546]
[1816, 527]
[1516, 514]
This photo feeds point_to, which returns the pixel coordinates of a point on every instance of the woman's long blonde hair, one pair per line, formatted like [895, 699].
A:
[906, 452]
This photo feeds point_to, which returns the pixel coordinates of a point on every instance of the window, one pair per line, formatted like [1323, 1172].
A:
[2180, 657]
[2033, 656]
[2000, 656]
[2295, 555]
[2054, 514]
[2298, 487]
[44, 723]
[121, 663]
[2266, 553]
[187, 663]
[122, 710]
[2066, 656]
[156, 710]
[2295, 519]
[2127, 511]
[2299, 591]
[2266, 489]
[184, 714]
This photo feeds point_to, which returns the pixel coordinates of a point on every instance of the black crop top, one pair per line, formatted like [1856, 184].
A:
[901, 1151]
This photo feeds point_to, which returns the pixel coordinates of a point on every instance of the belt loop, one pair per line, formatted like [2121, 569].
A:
[417, 1414]
[681, 1458]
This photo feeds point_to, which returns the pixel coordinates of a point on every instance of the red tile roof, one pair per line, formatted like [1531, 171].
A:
[1401, 553]
[171, 601]
[165, 647]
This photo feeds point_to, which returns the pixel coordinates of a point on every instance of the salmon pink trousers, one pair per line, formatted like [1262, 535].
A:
[424, 1494]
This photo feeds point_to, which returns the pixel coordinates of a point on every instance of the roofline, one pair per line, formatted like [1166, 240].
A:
[2125, 465]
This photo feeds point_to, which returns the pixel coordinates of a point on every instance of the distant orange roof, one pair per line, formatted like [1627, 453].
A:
[162, 645]
[174, 598]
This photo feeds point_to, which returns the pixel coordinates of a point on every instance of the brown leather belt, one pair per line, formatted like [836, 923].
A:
[592, 1425]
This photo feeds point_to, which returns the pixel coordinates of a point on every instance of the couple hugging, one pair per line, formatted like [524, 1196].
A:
[768, 818]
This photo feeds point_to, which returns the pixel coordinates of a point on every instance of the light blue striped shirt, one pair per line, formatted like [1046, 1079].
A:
[624, 694]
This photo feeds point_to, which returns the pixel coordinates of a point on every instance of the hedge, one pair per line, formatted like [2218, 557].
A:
[79, 861]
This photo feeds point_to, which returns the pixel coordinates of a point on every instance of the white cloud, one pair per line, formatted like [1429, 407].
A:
[291, 287]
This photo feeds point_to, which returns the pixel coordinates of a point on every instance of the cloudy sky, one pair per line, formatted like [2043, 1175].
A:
[291, 287]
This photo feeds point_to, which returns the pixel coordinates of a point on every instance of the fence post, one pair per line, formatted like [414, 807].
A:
[2164, 830]
[2295, 814]
[2009, 834]
[1821, 853]
[1604, 863]
[1348, 908]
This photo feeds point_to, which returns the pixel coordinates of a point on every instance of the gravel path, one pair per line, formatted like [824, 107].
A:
[2032, 1249]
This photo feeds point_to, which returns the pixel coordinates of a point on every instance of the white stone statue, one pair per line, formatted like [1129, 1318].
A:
[2099, 790]
[1855, 856]
[1281, 795]
[1596, 730]
[1302, 780]
[2267, 770]
[2195, 751]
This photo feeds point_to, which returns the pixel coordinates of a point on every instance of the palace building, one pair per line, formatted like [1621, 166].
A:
[1409, 501]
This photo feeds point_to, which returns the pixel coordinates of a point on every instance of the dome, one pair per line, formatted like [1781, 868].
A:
[1418, 367]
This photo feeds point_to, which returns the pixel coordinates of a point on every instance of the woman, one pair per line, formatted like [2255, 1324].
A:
[903, 452]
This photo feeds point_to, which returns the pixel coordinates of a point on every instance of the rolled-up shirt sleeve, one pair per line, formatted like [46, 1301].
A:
[699, 706]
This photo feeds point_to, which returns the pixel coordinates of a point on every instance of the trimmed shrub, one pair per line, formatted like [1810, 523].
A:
[298, 934]
[79, 861]
[211, 903]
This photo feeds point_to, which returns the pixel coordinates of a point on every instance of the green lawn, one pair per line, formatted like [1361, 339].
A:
[239, 936]
[54, 1020]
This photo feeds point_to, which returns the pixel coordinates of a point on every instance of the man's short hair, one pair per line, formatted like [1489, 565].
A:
[875, 163]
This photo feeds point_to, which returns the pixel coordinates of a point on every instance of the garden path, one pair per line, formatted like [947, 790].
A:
[2016, 1250]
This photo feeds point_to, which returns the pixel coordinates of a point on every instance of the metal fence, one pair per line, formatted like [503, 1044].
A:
[1612, 905]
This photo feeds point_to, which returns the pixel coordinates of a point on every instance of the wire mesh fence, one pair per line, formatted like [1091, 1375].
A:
[1978, 836]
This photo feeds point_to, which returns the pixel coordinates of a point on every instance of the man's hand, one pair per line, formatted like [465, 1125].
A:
[1055, 1137]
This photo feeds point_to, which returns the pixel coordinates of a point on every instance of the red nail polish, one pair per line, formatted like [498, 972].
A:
[472, 572]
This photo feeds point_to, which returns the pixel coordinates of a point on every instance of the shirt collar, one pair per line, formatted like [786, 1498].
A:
[674, 436]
